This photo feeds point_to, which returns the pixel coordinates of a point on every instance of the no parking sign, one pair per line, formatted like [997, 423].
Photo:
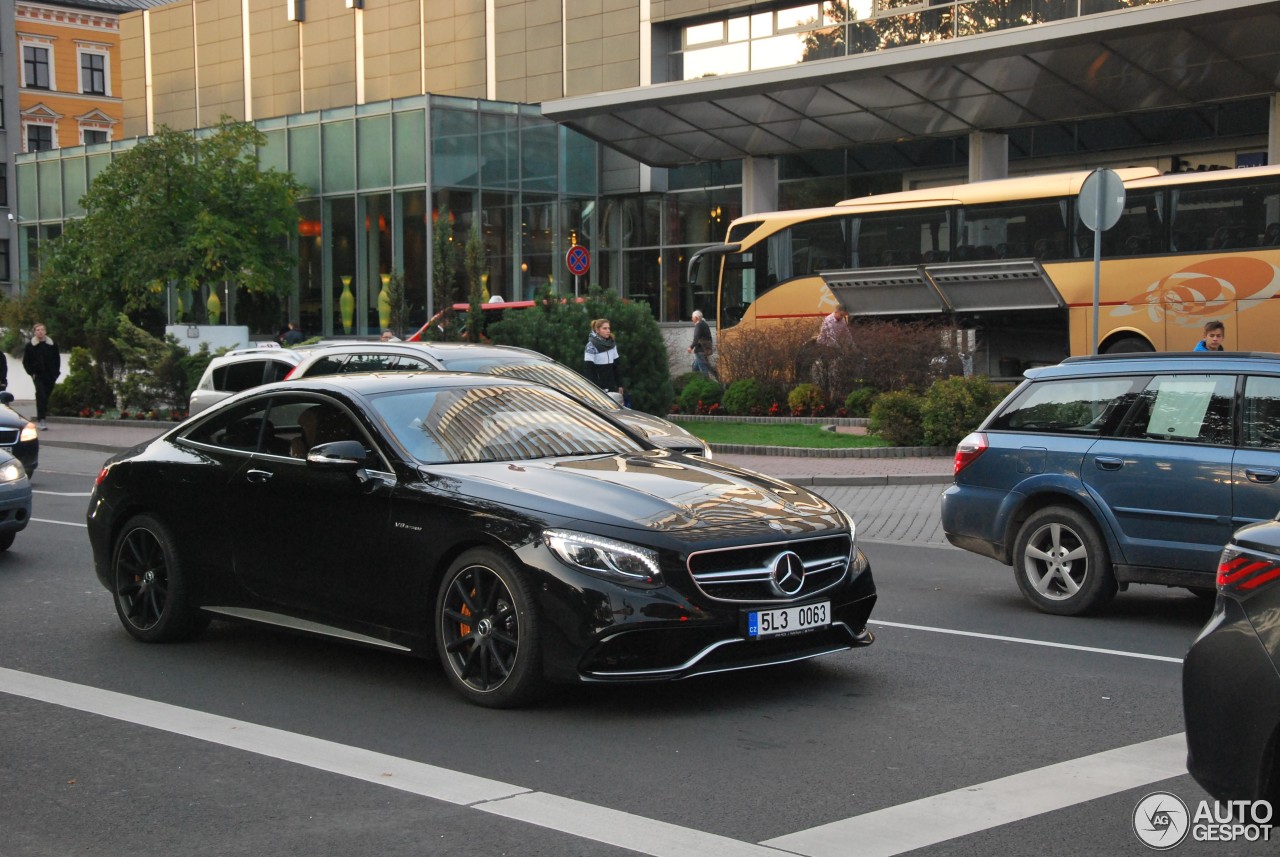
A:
[578, 260]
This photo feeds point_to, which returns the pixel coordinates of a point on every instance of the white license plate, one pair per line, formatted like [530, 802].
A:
[788, 620]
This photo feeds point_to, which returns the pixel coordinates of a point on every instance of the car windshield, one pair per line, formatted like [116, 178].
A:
[458, 425]
[542, 371]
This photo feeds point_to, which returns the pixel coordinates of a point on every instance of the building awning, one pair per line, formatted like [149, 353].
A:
[1181, 54]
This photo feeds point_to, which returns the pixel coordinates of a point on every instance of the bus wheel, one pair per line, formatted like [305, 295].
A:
[1128, 345]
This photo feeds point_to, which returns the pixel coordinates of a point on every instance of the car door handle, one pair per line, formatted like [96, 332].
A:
[1106, 462]
[1264, 476]
[258, 476]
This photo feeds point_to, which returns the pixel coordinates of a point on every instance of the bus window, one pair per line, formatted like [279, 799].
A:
[738, 285]
[1141, 228]
[1013, 230]
[901, 237]
[1225, 216]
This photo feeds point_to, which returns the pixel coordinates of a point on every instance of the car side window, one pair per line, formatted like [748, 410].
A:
[276, 370]
[244, 428]
[368, 362]
[405, 363]
[238, 376]
[1260, 421]
[328, 365]
[1092, 406]
[1186, 408]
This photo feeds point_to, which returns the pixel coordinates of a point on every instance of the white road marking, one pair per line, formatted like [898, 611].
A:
[63, 523]
[62, 493]
[636, 833]
[1028, 642]
[972, 809]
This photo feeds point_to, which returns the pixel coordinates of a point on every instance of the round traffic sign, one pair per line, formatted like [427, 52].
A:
[578, 260]
[1101, 200]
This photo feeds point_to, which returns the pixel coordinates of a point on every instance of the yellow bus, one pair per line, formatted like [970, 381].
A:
[1009, 263]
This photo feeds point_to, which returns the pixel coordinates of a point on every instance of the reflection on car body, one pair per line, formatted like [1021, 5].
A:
[502, 360]
[518, 535]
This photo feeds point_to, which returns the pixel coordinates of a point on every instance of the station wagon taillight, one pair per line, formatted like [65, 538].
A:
[968, 450]
[1245, 574]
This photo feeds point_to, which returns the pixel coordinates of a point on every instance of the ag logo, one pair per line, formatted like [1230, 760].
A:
[1161, 820]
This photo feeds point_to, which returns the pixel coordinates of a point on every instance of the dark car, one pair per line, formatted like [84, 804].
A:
[1125, 468]
[19, 435]
[15, 499]
[503, 360]
[498, 523]
[1231, 676]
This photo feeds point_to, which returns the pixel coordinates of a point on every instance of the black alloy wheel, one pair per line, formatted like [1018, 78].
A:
[487, 631]
[150, 589]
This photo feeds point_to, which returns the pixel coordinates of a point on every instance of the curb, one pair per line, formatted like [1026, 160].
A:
[839, 452]
[866, 481]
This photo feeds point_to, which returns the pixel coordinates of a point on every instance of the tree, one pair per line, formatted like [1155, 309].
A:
[444, 261]
[475, 262]
[192, 211]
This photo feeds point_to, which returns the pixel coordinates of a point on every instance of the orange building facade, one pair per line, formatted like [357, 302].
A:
[69, 74]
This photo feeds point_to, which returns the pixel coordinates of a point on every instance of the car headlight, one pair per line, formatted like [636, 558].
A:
[607, 558]
[29, 432]
[853, 528]
[12, 471]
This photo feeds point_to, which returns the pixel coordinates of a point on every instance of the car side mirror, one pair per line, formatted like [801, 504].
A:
[339, 455]
[6, 398]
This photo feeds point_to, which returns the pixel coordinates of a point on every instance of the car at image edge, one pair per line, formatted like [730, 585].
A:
[1101, 472]
[1231, 675]
[495, 523]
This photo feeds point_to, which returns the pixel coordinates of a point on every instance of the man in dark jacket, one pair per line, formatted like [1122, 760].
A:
[41, 360]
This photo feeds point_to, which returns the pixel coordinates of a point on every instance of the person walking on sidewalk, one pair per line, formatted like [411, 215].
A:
[41, 360]
[702, 346]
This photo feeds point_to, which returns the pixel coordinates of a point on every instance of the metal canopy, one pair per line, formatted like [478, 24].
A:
[1179, 54]
[959, 287]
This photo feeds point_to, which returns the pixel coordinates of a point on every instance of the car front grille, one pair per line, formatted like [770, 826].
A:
[9, 436]
[746, 574]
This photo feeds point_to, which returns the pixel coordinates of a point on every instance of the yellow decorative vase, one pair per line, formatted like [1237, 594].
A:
[384, 303]
[347, 306]
[214, 306]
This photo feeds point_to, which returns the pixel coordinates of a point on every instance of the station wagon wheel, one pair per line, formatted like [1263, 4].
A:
[1062, 564]
[488, 631]
[149, 584]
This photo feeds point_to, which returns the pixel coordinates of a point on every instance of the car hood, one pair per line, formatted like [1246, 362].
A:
[654, 490]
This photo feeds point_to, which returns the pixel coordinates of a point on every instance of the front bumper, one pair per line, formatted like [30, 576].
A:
[15, 506]
[657, 635]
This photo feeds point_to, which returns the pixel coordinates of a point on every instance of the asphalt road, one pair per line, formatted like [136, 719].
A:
[973, 726]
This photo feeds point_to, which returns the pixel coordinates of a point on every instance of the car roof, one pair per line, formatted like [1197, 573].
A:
[374, 383]
[439, 350]
[1169, 361]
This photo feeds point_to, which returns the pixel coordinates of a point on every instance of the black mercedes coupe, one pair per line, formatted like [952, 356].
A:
[520, 536]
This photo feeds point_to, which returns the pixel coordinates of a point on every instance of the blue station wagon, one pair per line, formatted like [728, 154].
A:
[1117, 469]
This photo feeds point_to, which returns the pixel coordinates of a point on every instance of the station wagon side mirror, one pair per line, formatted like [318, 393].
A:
[6, 398]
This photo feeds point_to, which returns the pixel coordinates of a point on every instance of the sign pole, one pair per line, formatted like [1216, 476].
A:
[1097, 269]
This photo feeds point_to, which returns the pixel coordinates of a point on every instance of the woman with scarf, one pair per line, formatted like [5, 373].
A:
[601, 357]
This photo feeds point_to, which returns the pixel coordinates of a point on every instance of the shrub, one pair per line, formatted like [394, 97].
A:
[84, 387]
[896, 417]
[745, 397]
[953, 407]
[155, 372]
[807, 399]
[679, 382]
[769, 355]
[699, 391]
[858, 403]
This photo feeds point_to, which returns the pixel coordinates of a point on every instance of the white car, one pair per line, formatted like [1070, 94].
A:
[242, 369]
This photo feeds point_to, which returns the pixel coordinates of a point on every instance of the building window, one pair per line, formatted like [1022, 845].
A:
[39, 137]
[4, 259]
[35, 67]
[93, 73]
[1, 106]
[89, 136]
[4, 184]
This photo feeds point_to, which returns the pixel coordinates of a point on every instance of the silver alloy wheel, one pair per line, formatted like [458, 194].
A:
[1056, 561]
